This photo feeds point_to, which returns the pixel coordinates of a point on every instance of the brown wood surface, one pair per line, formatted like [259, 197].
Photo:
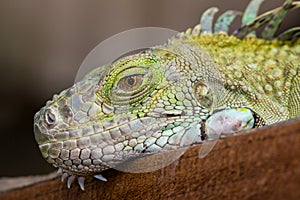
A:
[262, 164]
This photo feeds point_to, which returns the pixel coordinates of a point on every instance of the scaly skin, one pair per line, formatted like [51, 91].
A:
[160, 99]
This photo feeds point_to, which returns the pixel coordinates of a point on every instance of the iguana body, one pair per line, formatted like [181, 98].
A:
[171, 96]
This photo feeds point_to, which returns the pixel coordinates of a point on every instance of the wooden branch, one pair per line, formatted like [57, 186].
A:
[262, 164]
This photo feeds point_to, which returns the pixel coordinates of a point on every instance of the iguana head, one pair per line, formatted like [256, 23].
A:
[147, 102]
[152, 101]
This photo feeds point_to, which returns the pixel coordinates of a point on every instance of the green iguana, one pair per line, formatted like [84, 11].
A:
[199, 84]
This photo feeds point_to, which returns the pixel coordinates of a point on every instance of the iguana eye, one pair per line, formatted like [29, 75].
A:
[130, 83]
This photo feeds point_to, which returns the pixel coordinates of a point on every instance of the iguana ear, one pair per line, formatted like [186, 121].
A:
[203, 94]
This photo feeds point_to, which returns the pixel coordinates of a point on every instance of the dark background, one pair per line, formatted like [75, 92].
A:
[43, 43]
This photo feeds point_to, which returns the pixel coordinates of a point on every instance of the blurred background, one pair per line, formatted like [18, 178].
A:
[43, 43]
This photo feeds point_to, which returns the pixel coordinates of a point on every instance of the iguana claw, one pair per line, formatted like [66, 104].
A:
[100, 177]
[80, 179]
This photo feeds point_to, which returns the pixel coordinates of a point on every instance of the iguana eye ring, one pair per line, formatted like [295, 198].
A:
[131, 82]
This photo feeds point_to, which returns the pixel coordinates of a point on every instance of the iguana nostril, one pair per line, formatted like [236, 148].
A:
[50, 117]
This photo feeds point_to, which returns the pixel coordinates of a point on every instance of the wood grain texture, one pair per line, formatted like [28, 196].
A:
[262, 164]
